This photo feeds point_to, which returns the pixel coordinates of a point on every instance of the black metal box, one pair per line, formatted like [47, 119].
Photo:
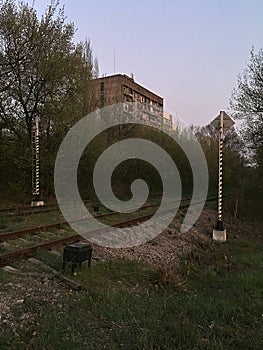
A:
[76, 253]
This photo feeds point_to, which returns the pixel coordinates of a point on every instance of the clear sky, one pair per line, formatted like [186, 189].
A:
[189, 52]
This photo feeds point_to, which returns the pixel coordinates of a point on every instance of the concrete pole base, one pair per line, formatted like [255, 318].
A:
[219, 235]
[37, 204]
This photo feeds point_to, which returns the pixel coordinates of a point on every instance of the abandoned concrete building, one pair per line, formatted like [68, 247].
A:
[120, 88]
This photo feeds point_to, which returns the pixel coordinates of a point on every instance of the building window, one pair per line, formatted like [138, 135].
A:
[102, 94]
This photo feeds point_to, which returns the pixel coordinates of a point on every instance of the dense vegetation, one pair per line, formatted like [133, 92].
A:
[44, 73]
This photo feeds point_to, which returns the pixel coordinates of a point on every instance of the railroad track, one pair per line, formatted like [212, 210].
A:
[28, 210]
[27, 251]
[20, 233]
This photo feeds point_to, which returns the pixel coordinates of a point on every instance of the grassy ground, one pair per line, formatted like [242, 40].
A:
[213, 300]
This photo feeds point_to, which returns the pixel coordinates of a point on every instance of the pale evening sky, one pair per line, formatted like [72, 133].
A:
[189, 52]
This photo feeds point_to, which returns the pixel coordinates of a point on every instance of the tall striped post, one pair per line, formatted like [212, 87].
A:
[219, 225]
[37, 185]
[36, 166]
[222, 122]
[219, 233]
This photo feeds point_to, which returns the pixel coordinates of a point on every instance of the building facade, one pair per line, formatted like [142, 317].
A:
[120, 88]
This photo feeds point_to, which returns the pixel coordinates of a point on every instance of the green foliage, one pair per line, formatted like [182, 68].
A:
[132, 169]
[3, 223]
[15, 160]
[43, 73]
[233, 167]
[247, 105]
[247, 100]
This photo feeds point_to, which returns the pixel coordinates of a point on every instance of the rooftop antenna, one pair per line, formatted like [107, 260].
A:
[114, 60]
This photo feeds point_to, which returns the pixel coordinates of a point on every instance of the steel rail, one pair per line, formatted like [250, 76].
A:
[25, 252]
[28, 210]
[20, 233]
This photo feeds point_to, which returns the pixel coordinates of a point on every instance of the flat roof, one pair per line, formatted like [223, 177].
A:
[128, 78]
